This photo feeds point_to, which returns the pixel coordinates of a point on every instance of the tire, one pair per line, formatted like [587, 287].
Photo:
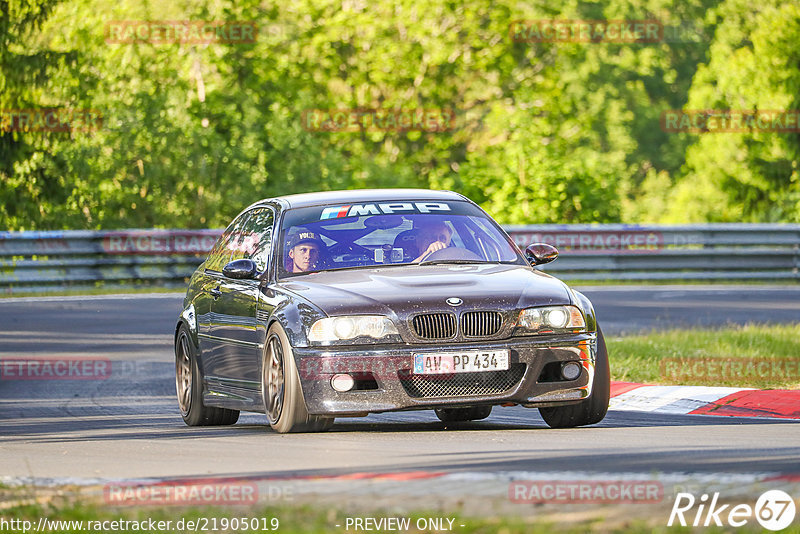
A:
[189, 387]
[588, 411]
[470, 413]
[280, 388]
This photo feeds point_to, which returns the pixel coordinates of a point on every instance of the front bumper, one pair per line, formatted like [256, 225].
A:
[528, 381]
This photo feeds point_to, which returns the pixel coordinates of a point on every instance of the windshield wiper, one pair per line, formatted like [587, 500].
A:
[452, 261]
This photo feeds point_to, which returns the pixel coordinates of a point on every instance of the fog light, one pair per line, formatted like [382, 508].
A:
[570, 370]
[342, 383]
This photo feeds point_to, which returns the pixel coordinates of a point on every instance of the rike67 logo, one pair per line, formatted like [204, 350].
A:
[774, 510]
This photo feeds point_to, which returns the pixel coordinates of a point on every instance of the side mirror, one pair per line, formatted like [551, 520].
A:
[540, 253]
[241, 269]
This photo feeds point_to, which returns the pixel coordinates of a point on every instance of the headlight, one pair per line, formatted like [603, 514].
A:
[548, 319]
[342, 328]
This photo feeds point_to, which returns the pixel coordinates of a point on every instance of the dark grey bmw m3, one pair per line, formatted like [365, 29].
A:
[341, 304]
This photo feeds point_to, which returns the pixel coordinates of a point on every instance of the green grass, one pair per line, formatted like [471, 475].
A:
[696, 356]
[104, 290]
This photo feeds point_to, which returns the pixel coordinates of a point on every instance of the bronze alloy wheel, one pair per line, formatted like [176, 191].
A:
[189, 386]
[183, 373]
[281, 390]
[274, 379]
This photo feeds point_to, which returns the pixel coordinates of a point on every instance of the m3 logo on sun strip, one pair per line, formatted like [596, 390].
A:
[355, 210]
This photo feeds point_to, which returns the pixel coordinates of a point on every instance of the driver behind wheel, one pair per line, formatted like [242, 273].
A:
[432, 237]
[305, 248]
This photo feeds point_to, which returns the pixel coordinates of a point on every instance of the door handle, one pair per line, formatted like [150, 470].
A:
[216, 293]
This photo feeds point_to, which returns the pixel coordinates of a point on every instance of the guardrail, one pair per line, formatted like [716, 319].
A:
[41, 261]
[763, 252]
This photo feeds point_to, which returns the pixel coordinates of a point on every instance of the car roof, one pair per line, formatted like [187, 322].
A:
[361, 195]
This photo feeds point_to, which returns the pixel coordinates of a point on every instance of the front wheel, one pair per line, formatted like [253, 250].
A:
[280, 388]
[593, 409]
[189, 386]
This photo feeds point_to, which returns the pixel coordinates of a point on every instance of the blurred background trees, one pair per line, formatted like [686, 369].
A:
[545, 132]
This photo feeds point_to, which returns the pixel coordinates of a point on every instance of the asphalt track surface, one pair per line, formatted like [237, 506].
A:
[127, 425]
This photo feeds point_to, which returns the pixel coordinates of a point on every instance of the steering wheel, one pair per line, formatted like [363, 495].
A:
[452, 253]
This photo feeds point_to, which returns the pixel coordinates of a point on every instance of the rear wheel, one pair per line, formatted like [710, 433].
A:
[469, 413]
[280, 388]
[588, 411]
[189, 386]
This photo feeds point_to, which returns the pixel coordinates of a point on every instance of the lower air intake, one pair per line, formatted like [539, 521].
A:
[461, 384]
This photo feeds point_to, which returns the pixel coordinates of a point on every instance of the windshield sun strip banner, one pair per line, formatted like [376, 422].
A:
[382, 208]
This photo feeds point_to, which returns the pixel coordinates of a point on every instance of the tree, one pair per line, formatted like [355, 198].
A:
[754, 65]
[30, 165]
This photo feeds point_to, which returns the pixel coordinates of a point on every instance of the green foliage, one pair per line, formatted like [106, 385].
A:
[29, 170]
[754, 65]
[545, 132]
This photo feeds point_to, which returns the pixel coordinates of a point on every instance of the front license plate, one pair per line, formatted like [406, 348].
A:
[460, 362]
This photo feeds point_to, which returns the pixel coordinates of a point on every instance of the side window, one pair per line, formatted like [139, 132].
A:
[258, 237]
[221, 253]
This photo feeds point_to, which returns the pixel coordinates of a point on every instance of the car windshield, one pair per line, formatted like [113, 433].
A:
[391, 233]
